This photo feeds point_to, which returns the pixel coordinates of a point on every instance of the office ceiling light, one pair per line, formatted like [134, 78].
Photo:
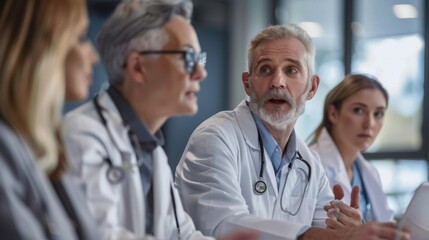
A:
[314, 29]
[405, 11]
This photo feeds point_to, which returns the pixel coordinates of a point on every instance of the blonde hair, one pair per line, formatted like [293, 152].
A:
[351, 84]
[36, 37]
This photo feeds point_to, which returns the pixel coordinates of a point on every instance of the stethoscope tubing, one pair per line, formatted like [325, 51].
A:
[299, 157]
[260, 186]
[119, 169]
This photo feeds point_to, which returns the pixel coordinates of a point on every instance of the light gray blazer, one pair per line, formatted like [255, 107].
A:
[29, 207]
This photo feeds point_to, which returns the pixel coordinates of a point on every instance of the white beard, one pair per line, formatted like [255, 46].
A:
[275, 117]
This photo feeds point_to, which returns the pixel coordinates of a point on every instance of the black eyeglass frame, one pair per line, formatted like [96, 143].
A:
[190, 57]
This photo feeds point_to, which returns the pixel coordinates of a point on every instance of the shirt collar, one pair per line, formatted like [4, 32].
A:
[270, 143]
[147, 140]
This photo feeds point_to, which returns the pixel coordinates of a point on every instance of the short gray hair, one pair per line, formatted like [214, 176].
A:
[278, 32]
[136, 25]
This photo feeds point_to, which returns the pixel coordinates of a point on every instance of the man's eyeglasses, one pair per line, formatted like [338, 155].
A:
[190, 57]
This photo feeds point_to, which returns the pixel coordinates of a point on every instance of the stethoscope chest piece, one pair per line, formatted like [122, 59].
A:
[260, 187]
[115, 174]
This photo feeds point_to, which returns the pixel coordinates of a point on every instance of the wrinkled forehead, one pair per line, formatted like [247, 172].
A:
[283, 49]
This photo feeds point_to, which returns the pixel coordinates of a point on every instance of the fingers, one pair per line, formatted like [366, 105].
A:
[373, 231]
[347, 215]
[388, 231]
[338, 191]
[333, 223]
[347, 210]
[333, 213]
[355, 197]
[327, 207]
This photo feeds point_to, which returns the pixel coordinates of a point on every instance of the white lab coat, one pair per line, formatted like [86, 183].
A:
[119, 208]
[337, 174]
[216, 178]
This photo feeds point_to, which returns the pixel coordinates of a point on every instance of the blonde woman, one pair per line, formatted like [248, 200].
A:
[79, 66]
[36, 38]
[352, 118]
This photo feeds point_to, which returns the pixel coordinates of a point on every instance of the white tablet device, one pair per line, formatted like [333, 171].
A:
[416, 217]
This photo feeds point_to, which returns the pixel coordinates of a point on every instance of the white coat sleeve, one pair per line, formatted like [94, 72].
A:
[208, 179]
[325, 195]
[187, 227]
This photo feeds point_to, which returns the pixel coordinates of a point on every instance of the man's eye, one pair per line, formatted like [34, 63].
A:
[265, 70]
[292, 70]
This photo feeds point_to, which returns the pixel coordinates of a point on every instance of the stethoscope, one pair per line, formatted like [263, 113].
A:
[260, 187]
[116, 174]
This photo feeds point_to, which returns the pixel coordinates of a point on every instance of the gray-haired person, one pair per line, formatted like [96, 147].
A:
[154, 64]
[246, 168]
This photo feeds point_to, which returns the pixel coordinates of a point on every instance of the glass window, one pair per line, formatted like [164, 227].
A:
[400, 178]
[326, 31]
[389, 44]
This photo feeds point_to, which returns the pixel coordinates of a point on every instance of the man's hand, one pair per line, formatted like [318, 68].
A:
[339, 213]
[241, 235]
[338, 192]
[371, 230]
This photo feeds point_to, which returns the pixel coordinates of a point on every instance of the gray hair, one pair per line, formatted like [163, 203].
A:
[278, 32]
[136, 25]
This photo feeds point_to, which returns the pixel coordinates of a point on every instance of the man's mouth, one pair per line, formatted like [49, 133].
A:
[277, 100]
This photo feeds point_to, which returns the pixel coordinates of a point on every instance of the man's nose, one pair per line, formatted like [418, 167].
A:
[279, 80]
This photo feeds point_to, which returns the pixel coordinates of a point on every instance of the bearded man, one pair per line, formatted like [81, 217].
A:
[246, 168]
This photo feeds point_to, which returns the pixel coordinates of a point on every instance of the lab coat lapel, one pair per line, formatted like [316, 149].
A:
[247, 125]
[333, 163]
[115, 123]
[374, 194]
[250, 132]
[269, 171]
[133, 191]
[161, 194]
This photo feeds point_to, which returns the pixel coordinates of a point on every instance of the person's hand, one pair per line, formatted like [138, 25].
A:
[373, 231]
[339, 213]
[338, 192]
[241, 235]
[338, 195]
[367, 231]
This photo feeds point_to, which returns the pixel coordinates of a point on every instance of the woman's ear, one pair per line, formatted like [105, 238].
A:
[332, 114]
[245, 77]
